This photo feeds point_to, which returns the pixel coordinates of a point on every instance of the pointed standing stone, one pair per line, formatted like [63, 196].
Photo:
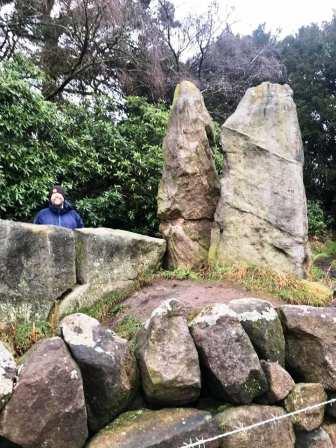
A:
[189, 187]
[261, 216]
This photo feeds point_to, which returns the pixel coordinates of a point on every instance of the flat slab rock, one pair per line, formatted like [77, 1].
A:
[37, 266]
[167, 428]
[108, 255]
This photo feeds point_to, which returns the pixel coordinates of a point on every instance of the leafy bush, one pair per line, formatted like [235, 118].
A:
[109, 167]
[317, 221]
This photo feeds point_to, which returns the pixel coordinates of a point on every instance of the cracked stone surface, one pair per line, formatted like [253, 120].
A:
[261, 215]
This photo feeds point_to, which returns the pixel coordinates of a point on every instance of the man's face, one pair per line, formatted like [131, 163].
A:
[57, 199]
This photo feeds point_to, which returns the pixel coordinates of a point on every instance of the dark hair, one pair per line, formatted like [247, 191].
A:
[58, 189]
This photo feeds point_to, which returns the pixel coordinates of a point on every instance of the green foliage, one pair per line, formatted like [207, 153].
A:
[128, 327]
[310, 60]
[317, 222]
[109, 160]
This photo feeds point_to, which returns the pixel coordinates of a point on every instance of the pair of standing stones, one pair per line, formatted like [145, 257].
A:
[257, 211]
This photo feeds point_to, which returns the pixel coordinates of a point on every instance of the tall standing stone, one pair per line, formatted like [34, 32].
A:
[189, 188]
[261, 216]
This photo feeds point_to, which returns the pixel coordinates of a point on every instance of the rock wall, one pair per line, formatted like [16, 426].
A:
[189, 187]
[47, 267]
[261, 216]
[87, 381]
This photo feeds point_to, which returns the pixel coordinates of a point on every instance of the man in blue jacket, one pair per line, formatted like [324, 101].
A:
[60, 212]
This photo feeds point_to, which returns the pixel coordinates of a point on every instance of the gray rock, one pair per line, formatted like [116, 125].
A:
[108, 367]
[168, 357]
[189, 188]
[263, 326]
[302, 396]
[47, 408]
[231, 365]
[7, 374]
[272, 435]
[37, 266]
[311, 343]
[261, 216]
[280, 383]
[167, 428]
[107, 255]
[315, 439]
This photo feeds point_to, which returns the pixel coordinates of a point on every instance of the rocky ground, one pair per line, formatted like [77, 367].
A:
[195, 293]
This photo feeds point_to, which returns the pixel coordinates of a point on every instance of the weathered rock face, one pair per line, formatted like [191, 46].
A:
[7, 375]
[279, 381]
[261, 215]
[262, 324]
[166, 428]
[279, 435]
[37, 266]
[315, 439]
[107, 255]
[189, 187]
[231, 365]
[311, 343]
[302, 396]
[107, 365]
[330, 428]
[168, 357]
[47, 405]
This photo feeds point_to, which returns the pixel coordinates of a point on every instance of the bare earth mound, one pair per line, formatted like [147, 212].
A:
[195, 293]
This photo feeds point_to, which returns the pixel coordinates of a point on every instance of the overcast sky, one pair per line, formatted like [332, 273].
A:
[288, 15]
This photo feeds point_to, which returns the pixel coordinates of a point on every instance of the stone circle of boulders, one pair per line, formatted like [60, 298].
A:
[77, 390]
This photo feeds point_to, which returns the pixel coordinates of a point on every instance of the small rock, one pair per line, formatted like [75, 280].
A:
[263, 326]
[279, 434]
[280, 383]
[315, 439]
[7, 374]
[302, 396]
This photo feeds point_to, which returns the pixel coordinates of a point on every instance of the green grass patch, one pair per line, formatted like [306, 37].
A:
[128, 327]
[265, 281]
[20, 336]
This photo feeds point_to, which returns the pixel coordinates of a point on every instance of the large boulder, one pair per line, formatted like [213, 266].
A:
[168, 357]
[189, 188]
[108, 255]
[231, 365]
[47, 408]
[273, 435]
[315, 439]
[304, 395]
[261, 215]
[37, 267]
[279, 381]
[311, 343]
[107, 365]
[7, 374]
[263, 326]
[166, 428]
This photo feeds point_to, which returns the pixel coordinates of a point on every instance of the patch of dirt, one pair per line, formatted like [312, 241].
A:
[194, 293]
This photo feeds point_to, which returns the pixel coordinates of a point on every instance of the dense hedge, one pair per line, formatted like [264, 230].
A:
[109, 160]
